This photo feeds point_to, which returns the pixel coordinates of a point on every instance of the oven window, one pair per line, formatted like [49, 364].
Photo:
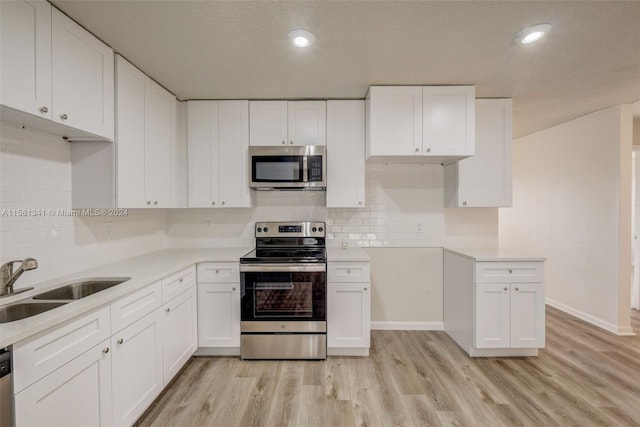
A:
[277, 168]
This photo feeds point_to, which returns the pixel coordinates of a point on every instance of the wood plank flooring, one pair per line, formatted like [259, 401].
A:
[584, 377]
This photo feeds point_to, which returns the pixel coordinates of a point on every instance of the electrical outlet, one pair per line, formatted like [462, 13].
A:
[208, 222]
[419, 228]
[345, 244]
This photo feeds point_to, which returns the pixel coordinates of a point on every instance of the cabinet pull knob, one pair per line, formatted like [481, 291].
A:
[64, 116]
[148, 202]
[464, 203]
[365, 288]
[428, 150]
[348, 271]
[181, 280]
[417, 150]
[223, 203]
[291, 142]
[510, 271]
[44, 110]
[233, 289]
[217, 271]
[283, 142]
[213, 203]
[106, 350]
[506, 289]
[360, 202]
[155, 202]
[120, 341]
[517, 289]
[167, 310]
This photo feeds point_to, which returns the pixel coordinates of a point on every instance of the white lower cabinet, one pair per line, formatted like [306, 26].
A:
[348, 309]
[77, 394]
[179, 332]
[218, 308]
[494, 308]
[136, 368]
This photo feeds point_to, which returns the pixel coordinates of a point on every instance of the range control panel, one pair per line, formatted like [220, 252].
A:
[291, 229]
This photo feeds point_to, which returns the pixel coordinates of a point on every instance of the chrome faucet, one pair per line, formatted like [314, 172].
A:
[8, 276]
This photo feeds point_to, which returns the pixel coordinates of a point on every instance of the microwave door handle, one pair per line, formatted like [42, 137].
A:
[305, 173]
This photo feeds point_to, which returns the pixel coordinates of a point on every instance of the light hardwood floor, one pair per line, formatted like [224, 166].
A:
[584, 377]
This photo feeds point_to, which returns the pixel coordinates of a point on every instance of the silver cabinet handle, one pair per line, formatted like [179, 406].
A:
[428, 150]
[148, 202]
[213, 203]
[290, 142]
[365, 288]
[417, 150]
[44, 110]
[155, 202]
[217, 271]
[283, 142]
[106, 350]
[464, 203]
[506, 289]
[64, 116]
[233, 289]
[120, 341]
[223, 202]
[360, 202]
[517, 289]
[167, 310]
[510, 271]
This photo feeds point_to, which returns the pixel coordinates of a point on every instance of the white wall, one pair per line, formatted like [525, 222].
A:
[35, 173]
[403, 225]
[572, 204]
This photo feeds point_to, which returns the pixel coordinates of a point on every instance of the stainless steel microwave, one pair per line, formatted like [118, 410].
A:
[288, 168]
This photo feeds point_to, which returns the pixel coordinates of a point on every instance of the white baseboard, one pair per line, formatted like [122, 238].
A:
[407, 326]
[615, 329]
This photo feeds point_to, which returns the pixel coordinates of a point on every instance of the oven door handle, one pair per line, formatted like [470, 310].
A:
[282, 268]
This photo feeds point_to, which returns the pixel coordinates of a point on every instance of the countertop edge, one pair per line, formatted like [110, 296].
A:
[500, 255]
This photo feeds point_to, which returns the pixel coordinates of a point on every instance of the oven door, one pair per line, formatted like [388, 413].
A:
[283, 293]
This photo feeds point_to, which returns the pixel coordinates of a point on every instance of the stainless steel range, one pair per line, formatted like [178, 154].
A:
[283, 292]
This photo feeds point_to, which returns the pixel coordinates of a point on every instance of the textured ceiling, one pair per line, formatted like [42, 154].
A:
[238, 49]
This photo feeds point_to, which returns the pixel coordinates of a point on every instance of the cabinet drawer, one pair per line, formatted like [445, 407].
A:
[128, 309]
[223, 272]
[509, 272]
[45, 352]
[348, 272]
[177, 283]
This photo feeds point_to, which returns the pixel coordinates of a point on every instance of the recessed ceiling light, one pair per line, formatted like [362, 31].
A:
[301, 38]
[533, 33]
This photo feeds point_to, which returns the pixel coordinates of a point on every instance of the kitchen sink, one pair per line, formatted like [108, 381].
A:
[81, 289]
[22, 310]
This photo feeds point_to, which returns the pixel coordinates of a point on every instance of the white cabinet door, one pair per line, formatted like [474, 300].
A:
[82, 78]
[345, 154]
[492, 315]
[233, 154]
[179, 332]
[527, 315]
[268, 122]
[218, 315]
[484, 180]
[448, 120]
[25, 56]
[136, 368]
[203, 153]
[77, 394]
[395, 121]
[131, 86]
[348, 315]
[160, 146]
[307, 122]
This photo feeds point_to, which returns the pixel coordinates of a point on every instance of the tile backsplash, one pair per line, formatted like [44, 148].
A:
[35, 216]
[404, 208]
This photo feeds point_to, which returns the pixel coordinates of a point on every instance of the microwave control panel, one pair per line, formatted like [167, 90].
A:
[314, 163]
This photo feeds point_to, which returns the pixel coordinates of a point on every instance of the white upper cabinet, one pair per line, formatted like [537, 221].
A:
[484, 180]
[394, 121]
[448, 120]
[25, 56]
[430, 124]
[146, 140]
[53, 69]
[218, 138]
[345, 154]
[287, 122]
[82, 76]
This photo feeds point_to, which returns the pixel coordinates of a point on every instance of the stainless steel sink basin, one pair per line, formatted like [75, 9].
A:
[22, 310]
[81, 289]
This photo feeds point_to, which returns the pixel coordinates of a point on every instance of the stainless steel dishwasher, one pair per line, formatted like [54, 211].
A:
[5, 388]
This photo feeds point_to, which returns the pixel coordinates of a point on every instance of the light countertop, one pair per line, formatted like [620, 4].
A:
[143, 270]
[495, 255]
[352, 253]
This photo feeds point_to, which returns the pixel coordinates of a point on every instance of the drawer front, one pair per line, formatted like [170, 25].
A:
[509, 272]
[177, 283]
[45, 352]
[221, 272]
[132, 307]
[348, 272]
